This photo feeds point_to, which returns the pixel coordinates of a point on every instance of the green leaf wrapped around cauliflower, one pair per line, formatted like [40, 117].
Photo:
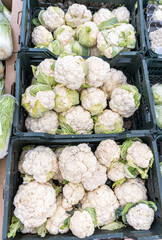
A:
[38, 99]
[44, 72]
[52, 18]
[104, 18]
[94, 100]
[114, 79]
[131, 191]
[70, 71]
[75, 48]
[41, 35]
[87, 34]
[157, 93]
[116, 172]
[40, 163]
[1, 70]
[108, 122]
[158, 114]
[55, 47]
[125, 100]
[98, 71]
[65, 98]
[107, 152]
[101, 199]
[77, 14]
[47, 124]
[64, 34]
[122, 14]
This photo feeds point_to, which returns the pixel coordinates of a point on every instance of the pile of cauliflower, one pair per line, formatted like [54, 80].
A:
[65, 189]
[79, 32]
[71, 95]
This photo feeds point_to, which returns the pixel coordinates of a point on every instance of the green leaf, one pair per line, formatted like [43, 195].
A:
[130, 171]
[119, 182]
[44, 79]
[58, 31]
[28, 147]
[84, 37]
[36, 88]
[36, 22]
[92, 213]
[95, 118]
[74, 96]
[15, 226]
[27, 178]
[107, 24]
[119, 212]
[150, 204]
[141, 171]
[34, 69]
[134, 90]
[65, 128]
[55, 47]
[40, 17]
[66, 223]
[113, 226]
[41, 231]
[85, 85]
[127, 207]
[58, 190]
[2, 86]
[80, 50]
[50, 175]
[128, 143]
[64, 182]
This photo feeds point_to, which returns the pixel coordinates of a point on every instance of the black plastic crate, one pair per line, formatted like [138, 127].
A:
[32, 8]
[134, 67]
[13, 180]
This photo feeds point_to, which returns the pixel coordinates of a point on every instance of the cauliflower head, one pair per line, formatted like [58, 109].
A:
[156, 39]
[29, 230]
[65, 98]
[38, 99]
[122, 14]
[81, 224]
[157, 14]
[125, 100]
[131, 191]
[87, 34]
[41, 163]
[108, 122]
[41, 35]
[76, 121]
[102, 16]
[73, 162]
[52, 18]
[107, 152]
[101, 199]
[70, 71]
[77, 14]
[94, 51]
[98, 71]
[116, 172]
[34, 211]
[1, 70]
[64, 34]
[47, 124]
[94, 100]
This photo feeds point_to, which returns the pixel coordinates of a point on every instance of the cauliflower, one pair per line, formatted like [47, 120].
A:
[55, 47]
[156, 39]
[38, 99]
[48, 123]
[115, 79]
[44, 72]
[76, 161]
[102, 15]
[81, 224]
[157, 14]
[98, 71]
[122, 14]
[94, 100]
[21, 159]
[125, 100]
[73, 193]
[108, 122]
[64, 34]
[29, 230]
[93, 180]
[105, 203]
[65, 98]
[94, 51]
[41, 163]
[1, 70]
[70, 71]
[34, 203]
[107, 152]
[116, 172]
[52, 18]
[41, 35]
[75, 121]
[87, 34]
[131, 191]
[77, 14]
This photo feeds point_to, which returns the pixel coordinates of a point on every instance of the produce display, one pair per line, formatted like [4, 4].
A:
[157, 96]
[69, 189]
[78, 31]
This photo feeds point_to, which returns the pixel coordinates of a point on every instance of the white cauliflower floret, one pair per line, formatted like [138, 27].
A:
[64, 35]
[41, 163]
[87, 34]
[52, 18]
[157, 14]
[140, 217]
[29, 230]
[45, 67]
[21, 159]
[156, 39]
[93, 180]
[73, 193]
[107, 151]
[115, 79]
[79, 120]
[140, 154]
[94, 100]
[122, 14]
[77, 14]
[76, 161]
[48, 123]
[41, 35]
[117, 172]
[98, 71]
[105, 203]
[102, 15]
[81, 224]
[131, 191]
[34, 203]
[108, 122]
[70, 72]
